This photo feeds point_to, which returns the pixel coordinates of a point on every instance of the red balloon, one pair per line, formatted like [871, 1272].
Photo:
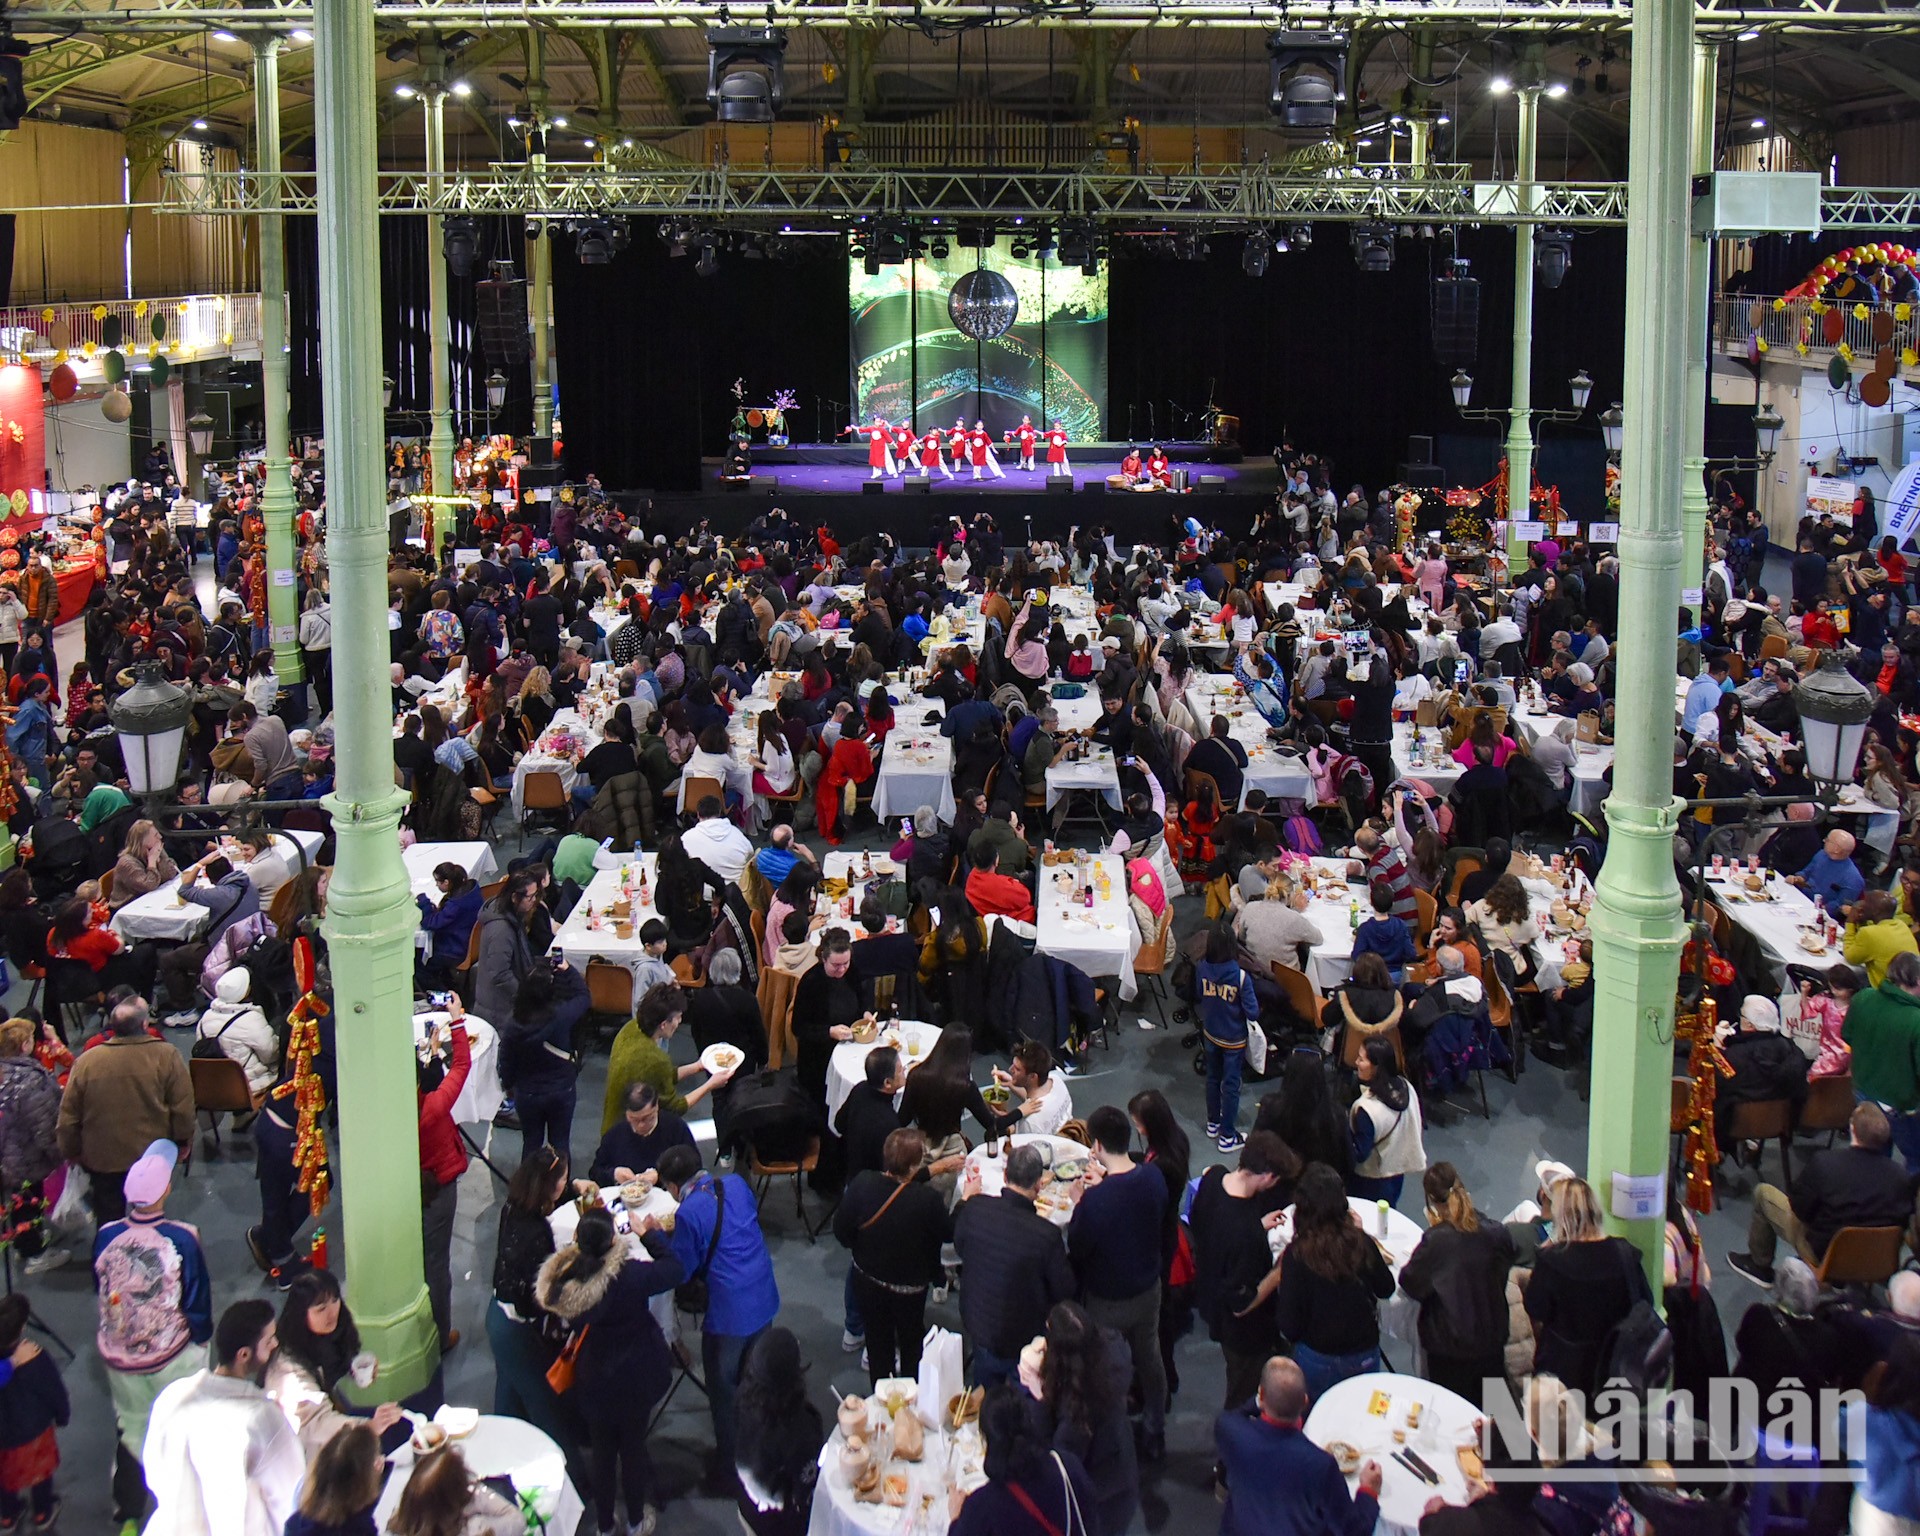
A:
[63, 383]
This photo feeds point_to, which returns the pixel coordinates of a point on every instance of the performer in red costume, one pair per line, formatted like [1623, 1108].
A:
[980, 443]
[1130, 465]
[1159, 466]
[1057, 451]
[957, 443]
[1026, 436]
[904, 438]
[879, 446]
[931, 458]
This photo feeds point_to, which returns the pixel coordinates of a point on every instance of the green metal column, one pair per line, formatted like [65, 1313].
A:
[276, 491]
[1693, 488]
[539, 303]
[1637, 926]
[1520, 425]
[440, 441]
[371, 916]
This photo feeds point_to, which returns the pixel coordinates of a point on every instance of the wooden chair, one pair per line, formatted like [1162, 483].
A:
[493, 888]
[1301, 995]
[609, 996]
[1765, 1120]
[1426, 912]
[1150, 964]
[1466, 864]
[686, 973]
[106, 886]
[543, 794]
[1829, 1105]
[776, 1011]
[1774, 646]
[1861, 1256]
[764, 1173]
[219, 1087]
[694, 790]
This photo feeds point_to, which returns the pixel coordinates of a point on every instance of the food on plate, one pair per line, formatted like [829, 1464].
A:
[896, 1489]
[866, 1487]
[725, 1057]
[1066, 1172]
[1813, 944]
[1346, 1456]
[635, 1195]
[429, 1438]
[1470, 1463]
[865, 1032]
[457, 1422]
[963, 1408]
[1756, 882]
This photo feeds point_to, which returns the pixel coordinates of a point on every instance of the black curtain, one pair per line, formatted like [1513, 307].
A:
[648, 352]
[405, 332]
[6, 257]
[1340, 362]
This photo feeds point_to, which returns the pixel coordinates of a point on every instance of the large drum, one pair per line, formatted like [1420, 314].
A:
[1226, 429]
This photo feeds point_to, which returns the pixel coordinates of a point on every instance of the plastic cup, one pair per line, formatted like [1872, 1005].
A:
[365, 1366]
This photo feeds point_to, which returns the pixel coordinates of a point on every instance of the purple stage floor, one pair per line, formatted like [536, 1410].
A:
[846, 479]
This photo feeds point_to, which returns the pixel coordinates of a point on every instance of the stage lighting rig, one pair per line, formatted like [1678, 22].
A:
[1255, 253]
[1373, 247]
[708, 264]
[1307, 77]
[460, 243]
[593, 243]
[1299, 236]
[1552, 256]
[746, 73]
[939, 248]
[1042, 240]
[1192, 246]
[890, 243]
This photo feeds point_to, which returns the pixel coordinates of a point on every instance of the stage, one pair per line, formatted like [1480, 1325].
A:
[1083, 455]
[827, 471]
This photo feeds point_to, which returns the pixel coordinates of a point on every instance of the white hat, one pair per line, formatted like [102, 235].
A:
[1110, 642]
[232, 985]
[1547, 1173]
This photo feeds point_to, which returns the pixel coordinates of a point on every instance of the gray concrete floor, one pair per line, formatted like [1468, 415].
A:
[1542, 1115]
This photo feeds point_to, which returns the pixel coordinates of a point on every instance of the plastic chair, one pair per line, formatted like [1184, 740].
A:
[1765, 1120]
[1426, 913]
[609, 995]
[1466, 864]
[219, 1086]
[1298, 989]
[1829, 1105]
[1772, 646]
[693, 791]
[543, 793]
[1861, 1256]
[686, 973]
[776, 1011]
[106, 886]
[463, 972]
[1150, 964]
[764, 1173]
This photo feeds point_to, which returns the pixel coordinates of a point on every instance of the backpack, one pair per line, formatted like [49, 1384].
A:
[1638, 1350]
[142, 1325]
[207, 1047]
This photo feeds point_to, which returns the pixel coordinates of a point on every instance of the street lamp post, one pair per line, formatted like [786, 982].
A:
[1834, 710]
[151, 720]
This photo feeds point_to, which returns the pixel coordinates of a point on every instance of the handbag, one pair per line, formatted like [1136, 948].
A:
[560, 1373]
[691, 1294]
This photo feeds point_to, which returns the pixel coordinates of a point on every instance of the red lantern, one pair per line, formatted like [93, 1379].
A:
[63, 383]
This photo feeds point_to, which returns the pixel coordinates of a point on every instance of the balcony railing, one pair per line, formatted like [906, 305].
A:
[197, 325]
[1784, 325]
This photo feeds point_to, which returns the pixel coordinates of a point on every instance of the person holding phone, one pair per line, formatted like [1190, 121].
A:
[443, 1158]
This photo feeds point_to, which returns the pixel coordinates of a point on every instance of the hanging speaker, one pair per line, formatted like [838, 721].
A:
[500, 317]
[1456, 320]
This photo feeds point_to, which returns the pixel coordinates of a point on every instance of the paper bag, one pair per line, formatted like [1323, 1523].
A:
[1587, 727]
[943, 1374]
[1426, 714]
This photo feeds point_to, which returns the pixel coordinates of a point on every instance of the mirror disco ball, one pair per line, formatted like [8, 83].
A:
[982, 304]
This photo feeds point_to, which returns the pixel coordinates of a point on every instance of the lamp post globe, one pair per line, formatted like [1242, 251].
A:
[151, 720]
[1462, 386]
[1834, 710]
[1767, 426]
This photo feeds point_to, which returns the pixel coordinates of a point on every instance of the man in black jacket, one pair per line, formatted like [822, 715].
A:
[1766, 1065]
[868, 1117]
[1015, 1266]
[1858, 1185]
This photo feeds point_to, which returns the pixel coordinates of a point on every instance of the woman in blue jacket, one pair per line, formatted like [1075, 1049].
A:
[1227, 1006]
[623, 1367]
[450, 922]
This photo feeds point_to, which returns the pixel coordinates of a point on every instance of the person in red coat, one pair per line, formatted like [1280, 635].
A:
[1057, 450]
[932, 459]
[1026, 437]
[850, 762]
[1159, 466]
[990, 891]
[879, 447]
[1130, 465]
[957, 442]
[903, 440]
[443, 1158]
[980, 444]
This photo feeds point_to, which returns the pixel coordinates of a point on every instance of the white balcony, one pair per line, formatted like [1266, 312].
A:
[199, 327]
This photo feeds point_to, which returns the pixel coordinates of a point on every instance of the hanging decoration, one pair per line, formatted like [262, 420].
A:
[303, 1083]
[1706, 1065]
[982, 304]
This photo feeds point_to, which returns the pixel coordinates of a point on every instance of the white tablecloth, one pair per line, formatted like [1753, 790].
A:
[847, 1067]
[1775, 926]
[917, 767]
[1399, 1313]
[501, 1447]
[1053, 1149]
[535, 759]
[422, 858]
[1446, 1423]
[1590, 764]
[1531, 724]
[1432, 766]
[837, 1513]
[579, 941]
[1100, 939]
[481, 1096]
[160, 915]
[1096, 773]
[1281, 775]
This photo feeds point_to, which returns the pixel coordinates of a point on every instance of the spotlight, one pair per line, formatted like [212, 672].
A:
[746, 78]
[460, 244]
[461, 88]
[1306, 77]
[302, 36]
[1299, 236]
[872, 264]
[1255, 253]
[1042, 240]
[199, 125]
[404, 91]
[1192, 246]
[559, 122]
[1552, 256]
[1077, 245]
[1019, 250]
[593, 243]
[1499, 85]
[1751, 35]
[708, 264]
[889, 243]
[1758, 122]
[224, 36]
[1557, 90]
[939, 248]
[1373, 247]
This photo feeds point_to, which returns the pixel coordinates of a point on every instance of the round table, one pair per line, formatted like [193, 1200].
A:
[1053, 1149]
[1399, 1313]
[501, 1447]
[481, 1095]
[1344, 1413]
[847, 1067]
[946, 1460]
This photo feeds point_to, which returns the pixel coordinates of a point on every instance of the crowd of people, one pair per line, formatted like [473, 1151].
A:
[1077, 1331]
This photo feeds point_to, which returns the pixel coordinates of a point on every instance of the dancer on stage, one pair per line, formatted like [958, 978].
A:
[904, 437]
[1027, 436]
[980, 442]
[1057, 451]
[931, 458]
[957, 441]
[1158, 466]
[879, 446]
